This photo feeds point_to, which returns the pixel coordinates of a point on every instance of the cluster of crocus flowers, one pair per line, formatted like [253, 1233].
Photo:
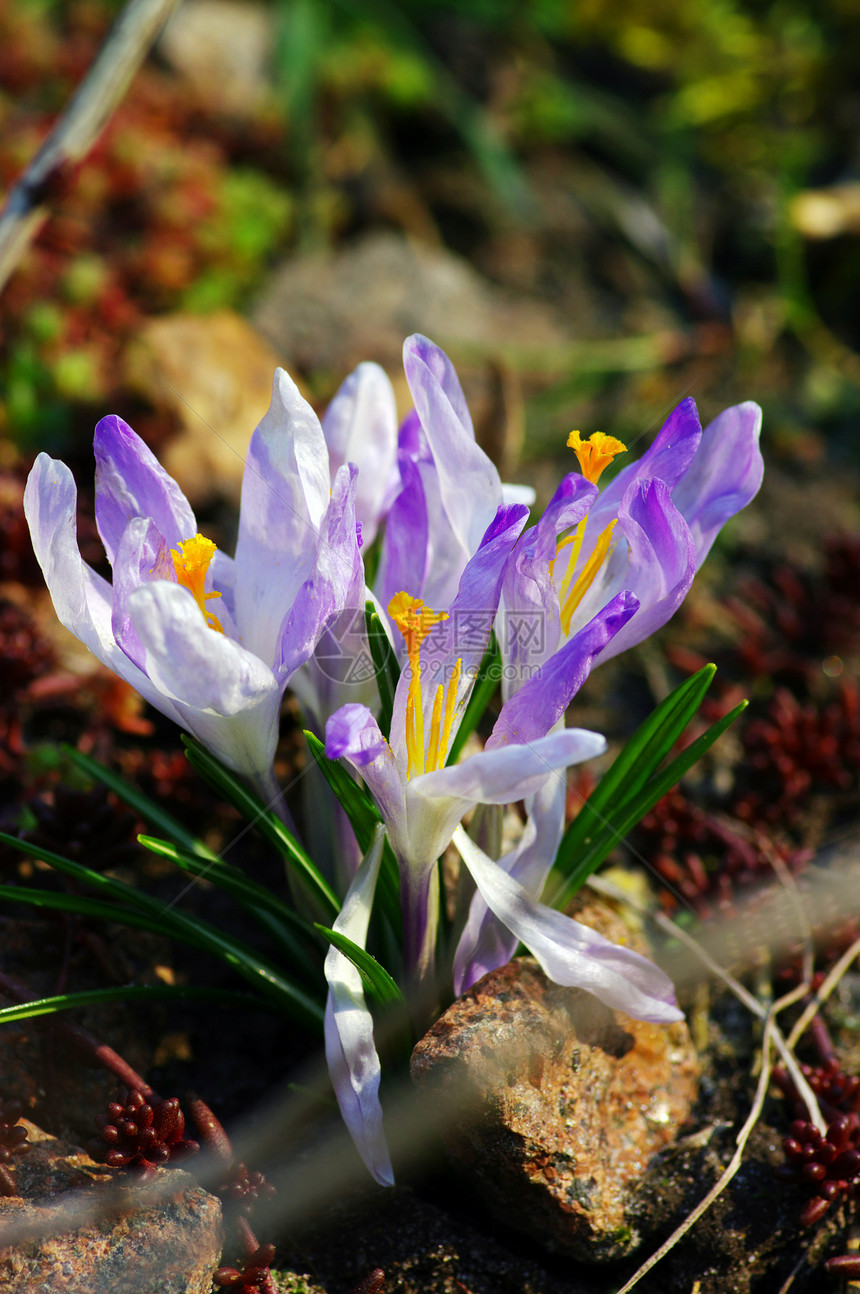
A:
[645, 534]
[219, 676]
[213, 642]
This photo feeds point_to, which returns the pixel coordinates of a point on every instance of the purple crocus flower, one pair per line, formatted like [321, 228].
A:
[647, 533]
[449, 490]
[422, 801]
[218, 671]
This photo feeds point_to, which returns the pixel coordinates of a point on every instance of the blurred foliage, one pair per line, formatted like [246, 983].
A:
[651, 156]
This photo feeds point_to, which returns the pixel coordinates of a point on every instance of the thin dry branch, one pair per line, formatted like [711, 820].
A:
[740, 1144]
[743, 995]
[88, 112]
[833, 977]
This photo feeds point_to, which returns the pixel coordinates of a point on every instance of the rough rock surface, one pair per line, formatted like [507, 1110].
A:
[213, 373]
[73, 1230]
[553, 1105]
[223, 49]
[361, 302]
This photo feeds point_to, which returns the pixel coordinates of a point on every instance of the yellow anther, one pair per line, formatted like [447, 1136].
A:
[594, 454]
[415, 620]
[191, 563]
[450, 707]
[586, 577]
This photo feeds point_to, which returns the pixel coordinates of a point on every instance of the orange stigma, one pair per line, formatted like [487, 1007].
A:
[415, 620]
[191, 562]
[594, 454]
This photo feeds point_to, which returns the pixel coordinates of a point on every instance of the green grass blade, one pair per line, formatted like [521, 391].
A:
[271, 912]
[375, 978]
[629, 772]
[355, 801]
[486, 682]
[124, 895]
[267, 823]
[83, 905]
[625, 817]
[364, 817]
[127, 993]
[385, 663]
[136, 909]
[152, 813]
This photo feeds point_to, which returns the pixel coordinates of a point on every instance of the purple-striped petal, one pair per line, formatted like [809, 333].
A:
[570, 953]
[353, 734]
[725, 475]
[470, 485]
[82, 599]
[541, 702]
[285, 492]
[465, 634]
[324, 594]
[405, 558]
[528, 625]
[655, 561]
[666, 459]
[360, 427]
[351, 1054]
[142, 555]
[485, 943]
[130, 482]
[224, 694]
[510, 772]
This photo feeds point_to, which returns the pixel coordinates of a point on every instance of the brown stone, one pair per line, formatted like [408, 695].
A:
[214, 374]
[553, 1105]
[79, 1228]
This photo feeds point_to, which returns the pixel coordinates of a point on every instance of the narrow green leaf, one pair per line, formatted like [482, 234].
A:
[486, 682]
[629, 772]
[136, 909]
[127, 993]
[151, 812]
[385, 663]
[95, 908]
[622, 820]
[354, 799]
[267, 823]
[275, 916]
[359, 806]
[375, 978]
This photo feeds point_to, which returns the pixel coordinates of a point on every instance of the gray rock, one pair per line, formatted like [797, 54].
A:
[75, 1229]
[332, 310]
[553, 1106]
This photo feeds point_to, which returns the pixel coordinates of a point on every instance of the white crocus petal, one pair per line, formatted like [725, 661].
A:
[518, 494]
[570, 953]
[223, 693]
[82, 599]
[360, 427]
[285, 493]
[352, 1058]
[510, 772]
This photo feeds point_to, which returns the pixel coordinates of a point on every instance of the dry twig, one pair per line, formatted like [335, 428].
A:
[88, 112]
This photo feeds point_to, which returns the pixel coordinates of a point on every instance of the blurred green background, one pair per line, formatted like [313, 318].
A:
[596, 207]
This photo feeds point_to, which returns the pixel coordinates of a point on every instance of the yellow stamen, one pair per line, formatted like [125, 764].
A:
[191, 563]
[586, 576]
[576, 540]
[432, 761]
[450, 707]
[414, 620]
[594, 454]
